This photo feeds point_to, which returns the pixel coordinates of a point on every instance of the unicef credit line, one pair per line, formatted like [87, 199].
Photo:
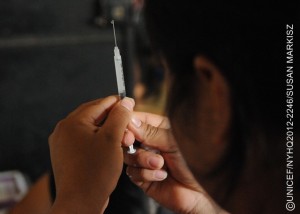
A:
[290, 205]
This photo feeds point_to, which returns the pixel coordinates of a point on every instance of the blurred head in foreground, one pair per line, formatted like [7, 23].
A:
[226, 71]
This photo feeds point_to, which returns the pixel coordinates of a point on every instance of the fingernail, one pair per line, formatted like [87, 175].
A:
[127, 103]
[160, 175]
[154, 162]
[136, 122]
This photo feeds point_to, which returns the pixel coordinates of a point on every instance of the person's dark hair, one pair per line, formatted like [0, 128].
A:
[247, 41]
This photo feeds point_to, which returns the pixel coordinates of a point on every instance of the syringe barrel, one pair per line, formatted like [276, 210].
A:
[119, 73]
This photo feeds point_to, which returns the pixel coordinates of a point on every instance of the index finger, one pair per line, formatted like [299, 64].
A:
[153, 119]
[94, 111]
[151, 136]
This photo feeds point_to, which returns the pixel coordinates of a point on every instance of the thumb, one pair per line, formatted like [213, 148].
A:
[117, 120]
[152, 136]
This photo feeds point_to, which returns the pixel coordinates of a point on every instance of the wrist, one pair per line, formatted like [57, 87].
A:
[206, 204]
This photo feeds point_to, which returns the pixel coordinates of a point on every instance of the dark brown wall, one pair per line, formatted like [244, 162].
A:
[52, 58]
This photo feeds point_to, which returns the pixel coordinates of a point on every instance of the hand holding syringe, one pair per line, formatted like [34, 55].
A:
[120, 76]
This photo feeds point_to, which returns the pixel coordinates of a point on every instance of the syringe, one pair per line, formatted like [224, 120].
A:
[120, 76]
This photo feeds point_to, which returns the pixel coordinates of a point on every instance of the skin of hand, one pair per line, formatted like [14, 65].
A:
[164, 176]
[87, 159]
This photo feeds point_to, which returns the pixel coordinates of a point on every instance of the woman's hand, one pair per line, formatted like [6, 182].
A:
[164, 176]
[87, 159]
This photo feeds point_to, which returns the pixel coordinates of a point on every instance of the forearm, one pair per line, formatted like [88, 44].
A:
[78, 207]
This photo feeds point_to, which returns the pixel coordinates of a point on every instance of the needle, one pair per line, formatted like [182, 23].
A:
[120, 76]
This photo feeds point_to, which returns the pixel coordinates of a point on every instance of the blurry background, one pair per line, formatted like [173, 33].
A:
[55, 55]
[52, 58]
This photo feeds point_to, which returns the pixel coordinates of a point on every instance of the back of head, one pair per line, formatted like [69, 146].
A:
[247, 41]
